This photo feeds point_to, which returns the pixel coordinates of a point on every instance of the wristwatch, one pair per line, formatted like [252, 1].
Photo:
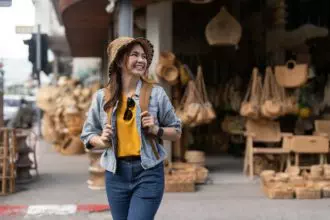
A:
[160, 132]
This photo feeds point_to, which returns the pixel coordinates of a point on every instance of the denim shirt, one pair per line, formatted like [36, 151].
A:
[159, 106]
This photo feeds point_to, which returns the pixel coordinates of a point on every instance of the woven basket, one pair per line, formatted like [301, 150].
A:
[326, 192]
[280, 191]
[297, 181]
[281, 177]
[308, 193]
[188, 172]
[293, 171]
[180, 165]
[74, 122]
[48, 129]
[179, 183]
[195, 156]
[202, 174]
[316, 171]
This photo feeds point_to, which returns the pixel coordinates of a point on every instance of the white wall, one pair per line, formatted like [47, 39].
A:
[45, 15]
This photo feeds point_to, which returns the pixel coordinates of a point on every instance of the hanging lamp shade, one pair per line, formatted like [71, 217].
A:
[223, 29]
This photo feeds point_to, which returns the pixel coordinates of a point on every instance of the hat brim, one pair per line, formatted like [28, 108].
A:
[146, 45]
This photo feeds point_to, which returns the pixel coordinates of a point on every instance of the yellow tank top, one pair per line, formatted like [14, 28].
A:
[127, 132]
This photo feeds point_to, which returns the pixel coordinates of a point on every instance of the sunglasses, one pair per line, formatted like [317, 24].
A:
[128, 112]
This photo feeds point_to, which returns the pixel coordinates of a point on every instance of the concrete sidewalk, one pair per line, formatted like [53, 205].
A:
[229, 196]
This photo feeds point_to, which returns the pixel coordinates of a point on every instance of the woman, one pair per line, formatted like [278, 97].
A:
[133, 155]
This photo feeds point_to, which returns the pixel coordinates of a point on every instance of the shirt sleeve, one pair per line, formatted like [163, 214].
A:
[92, 126]
[167, 116]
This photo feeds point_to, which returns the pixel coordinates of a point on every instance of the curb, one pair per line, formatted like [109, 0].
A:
[50, 209]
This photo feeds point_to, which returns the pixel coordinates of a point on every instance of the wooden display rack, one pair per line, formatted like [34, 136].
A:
[7, 160]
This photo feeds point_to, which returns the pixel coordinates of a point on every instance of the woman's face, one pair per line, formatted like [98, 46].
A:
[136, 61]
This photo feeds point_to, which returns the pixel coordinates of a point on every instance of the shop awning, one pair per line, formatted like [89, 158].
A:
[86, 25]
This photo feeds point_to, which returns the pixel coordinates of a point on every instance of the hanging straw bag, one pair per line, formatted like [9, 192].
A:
[271, 97]
[190, 104]
[207, 113]
[250, 105]
[291, 75]
[223, 29]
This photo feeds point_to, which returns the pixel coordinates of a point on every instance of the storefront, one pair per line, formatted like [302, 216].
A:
[227, 40]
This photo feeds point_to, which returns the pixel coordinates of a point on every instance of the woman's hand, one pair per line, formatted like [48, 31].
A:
[148, 121]
[104, 140]
[106, 135]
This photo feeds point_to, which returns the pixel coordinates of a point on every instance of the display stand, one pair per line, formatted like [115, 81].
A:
[7, 161]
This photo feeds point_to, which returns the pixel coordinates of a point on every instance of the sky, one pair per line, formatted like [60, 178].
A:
[20, 13]
[12, 49]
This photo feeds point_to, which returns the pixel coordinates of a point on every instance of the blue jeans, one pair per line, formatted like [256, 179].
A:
[134, 193]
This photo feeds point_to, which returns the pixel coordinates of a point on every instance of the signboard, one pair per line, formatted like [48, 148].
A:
[24, 29]
[5, 3]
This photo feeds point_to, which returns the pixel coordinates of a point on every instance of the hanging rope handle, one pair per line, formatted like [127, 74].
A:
[201, 84]
[252, 85]
[265, 88]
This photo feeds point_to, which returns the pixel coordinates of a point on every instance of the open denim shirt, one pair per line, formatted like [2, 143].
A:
[159, 106]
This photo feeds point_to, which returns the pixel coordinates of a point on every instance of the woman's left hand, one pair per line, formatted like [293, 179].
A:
[148, 121]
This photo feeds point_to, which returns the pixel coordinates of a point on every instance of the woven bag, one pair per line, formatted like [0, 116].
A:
[291, 75]
[271, 99]
[207, 113]
[250, 105]
[190, 105]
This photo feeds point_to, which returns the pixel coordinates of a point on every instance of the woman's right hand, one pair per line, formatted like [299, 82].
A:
[106, 136]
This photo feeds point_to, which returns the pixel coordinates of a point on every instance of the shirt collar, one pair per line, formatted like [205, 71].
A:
[138, 88]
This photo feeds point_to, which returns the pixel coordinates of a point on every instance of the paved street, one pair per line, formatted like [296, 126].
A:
[229, 196]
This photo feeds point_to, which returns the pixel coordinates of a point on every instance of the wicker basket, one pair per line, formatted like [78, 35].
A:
[316, 171]
[179, 183]
[74, 122]
[195, 157]
[188, 172]
[293, 171]
[326, 192]
[202, 174]
[297, 181]
[283, 192]
[281, 177]
[308, 193]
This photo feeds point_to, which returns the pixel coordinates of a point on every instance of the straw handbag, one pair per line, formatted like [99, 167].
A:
[190, 104]
[251, 101]
[271, 103]
[291, 75]
[223, 29]
[207, 113]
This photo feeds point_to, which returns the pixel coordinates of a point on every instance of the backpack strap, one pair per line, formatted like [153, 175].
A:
[145, 94]
[107, 97]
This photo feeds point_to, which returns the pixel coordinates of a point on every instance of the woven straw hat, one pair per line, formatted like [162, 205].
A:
[166, 68]
[120, 44]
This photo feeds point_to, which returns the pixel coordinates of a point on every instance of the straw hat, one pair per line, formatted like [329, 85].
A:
[166, 68]
[118, 45]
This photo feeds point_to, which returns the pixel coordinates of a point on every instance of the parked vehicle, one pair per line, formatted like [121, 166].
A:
[12, 103]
